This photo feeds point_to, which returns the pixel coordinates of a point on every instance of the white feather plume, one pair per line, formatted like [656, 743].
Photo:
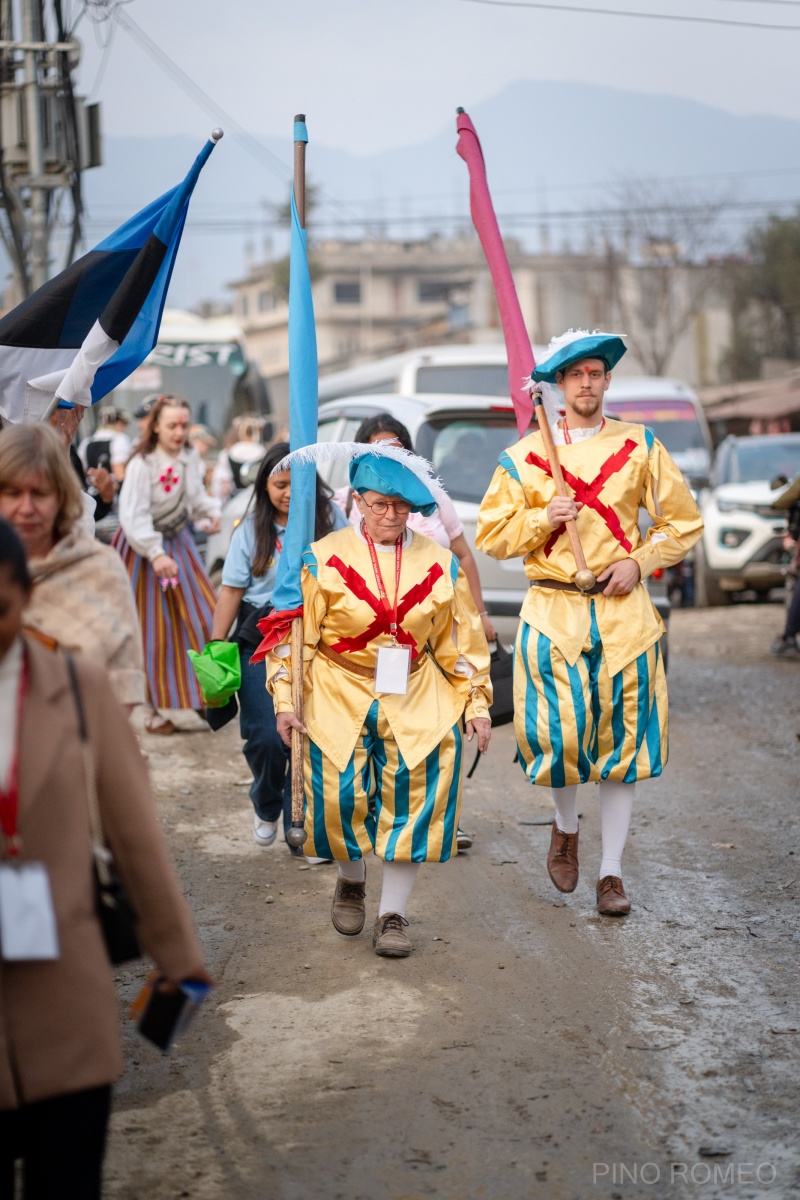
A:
[346, 451]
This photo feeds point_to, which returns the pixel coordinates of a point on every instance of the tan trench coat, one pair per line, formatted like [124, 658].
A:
[59, 1024]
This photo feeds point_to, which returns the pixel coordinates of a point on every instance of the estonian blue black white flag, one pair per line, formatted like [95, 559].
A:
[82, 333]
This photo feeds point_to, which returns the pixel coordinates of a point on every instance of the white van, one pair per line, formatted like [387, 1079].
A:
[466, 370]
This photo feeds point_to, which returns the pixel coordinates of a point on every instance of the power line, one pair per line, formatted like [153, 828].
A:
[621, 12]
[233, 222]
[250, 143]
[202, 98]
[787, 3]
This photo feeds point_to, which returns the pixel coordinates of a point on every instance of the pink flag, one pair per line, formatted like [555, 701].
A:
[518, 345]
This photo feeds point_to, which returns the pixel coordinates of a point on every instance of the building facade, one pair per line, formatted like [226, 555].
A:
[378, 297]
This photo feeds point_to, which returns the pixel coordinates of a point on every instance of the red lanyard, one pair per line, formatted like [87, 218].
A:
[391, 610]
[9, 800]
[565, 430]
[278, 545]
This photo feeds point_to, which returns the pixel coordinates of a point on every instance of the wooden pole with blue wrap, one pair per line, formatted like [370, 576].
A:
[286, 618]
[296, 836]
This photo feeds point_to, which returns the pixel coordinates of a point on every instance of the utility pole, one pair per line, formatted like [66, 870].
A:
[48, 136]
[38, 184]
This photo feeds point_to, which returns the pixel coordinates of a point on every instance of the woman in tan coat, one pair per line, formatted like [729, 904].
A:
[59, 1031]
[82, 597]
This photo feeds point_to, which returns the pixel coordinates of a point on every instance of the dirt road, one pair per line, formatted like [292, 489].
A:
[527, 1048]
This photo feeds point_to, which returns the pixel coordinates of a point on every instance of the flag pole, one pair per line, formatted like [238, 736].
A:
[296, 836]
[584, 578]
[518, 347]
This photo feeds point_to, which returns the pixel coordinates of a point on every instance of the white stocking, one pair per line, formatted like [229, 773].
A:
[616, 803]
[565, 800]
[355, 871]
[398, 880]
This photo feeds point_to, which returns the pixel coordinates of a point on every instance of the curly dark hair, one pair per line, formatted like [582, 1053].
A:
[265, 512]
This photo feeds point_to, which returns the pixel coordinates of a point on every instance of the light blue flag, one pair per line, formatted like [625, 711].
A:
[303, 406]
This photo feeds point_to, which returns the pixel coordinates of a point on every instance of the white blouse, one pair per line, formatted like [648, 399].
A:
[156, 485]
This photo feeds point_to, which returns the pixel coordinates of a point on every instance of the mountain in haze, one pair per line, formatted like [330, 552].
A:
[559, 146]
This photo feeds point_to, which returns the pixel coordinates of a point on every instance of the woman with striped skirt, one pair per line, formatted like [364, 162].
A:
[161, 497]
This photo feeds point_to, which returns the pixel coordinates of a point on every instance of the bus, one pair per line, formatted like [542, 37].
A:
[205, 360]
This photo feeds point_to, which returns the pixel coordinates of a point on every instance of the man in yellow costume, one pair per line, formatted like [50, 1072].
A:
[394, 657]
[590, 694]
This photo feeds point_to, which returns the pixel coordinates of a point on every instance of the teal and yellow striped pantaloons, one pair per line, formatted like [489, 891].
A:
[579, 724]
[416, 812]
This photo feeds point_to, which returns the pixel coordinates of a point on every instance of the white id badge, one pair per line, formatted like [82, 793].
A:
[27, 918]
[392, 670]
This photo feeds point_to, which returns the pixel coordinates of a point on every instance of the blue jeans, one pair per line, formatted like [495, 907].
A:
[267, 757]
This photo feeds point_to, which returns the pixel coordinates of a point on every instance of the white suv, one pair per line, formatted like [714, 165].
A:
[741, 548]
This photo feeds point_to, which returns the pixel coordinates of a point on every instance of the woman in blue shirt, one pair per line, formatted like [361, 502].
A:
[248, 580]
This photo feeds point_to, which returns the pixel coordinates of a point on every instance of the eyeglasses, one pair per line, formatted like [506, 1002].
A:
[380, 508]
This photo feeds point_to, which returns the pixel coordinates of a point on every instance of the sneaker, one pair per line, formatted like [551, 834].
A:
[264, 832]
[463, 840]
[785, 647]
[348, 910]
[389, 937]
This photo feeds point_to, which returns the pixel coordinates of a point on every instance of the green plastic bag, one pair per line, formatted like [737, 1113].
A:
[219, 672]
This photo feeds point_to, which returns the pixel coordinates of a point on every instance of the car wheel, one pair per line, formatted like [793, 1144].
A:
[707, 592]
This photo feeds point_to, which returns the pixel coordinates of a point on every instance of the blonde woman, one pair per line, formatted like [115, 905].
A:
[81, 598]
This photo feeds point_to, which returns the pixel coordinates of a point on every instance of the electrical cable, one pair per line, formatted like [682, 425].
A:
[202, 98]
[250, 143]
[621, 12]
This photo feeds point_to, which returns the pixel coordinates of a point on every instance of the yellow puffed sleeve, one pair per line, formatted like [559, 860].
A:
[677, 523]
[511, 521]
[279, 660]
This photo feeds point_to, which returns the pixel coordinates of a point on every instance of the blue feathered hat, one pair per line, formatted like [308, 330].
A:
[575, 345]
[377, 473]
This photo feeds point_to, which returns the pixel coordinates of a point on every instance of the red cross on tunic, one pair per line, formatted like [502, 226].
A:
[356, 584]
[589, 493]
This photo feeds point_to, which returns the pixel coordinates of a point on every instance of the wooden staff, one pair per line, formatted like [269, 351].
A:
[296, 836]
[584, 578]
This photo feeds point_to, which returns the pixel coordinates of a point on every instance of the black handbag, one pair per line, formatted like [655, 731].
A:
[501, 671]
[114, 910]
[246, 631]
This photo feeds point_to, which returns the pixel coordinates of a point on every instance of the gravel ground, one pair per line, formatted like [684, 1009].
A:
[528, 1048]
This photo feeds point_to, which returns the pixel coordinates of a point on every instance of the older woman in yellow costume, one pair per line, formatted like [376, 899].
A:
[394, 658]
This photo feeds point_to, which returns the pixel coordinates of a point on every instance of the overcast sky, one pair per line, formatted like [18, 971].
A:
[372, 74]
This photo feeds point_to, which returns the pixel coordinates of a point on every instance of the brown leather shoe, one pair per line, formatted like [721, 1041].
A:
[562, 859]
[348, 910]
[389, 938]
[611, 898]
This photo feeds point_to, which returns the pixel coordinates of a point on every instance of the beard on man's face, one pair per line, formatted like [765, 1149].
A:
[587, 406]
